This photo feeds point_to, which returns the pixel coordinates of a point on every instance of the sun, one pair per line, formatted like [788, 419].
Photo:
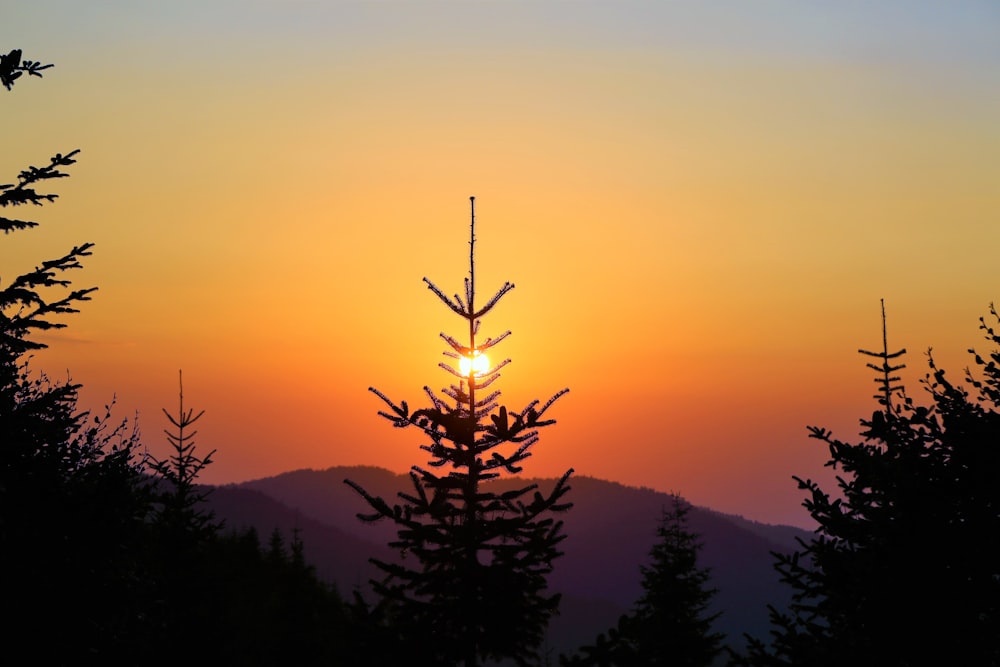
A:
[477, 364]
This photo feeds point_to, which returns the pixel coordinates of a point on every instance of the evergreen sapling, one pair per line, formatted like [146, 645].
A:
[471, 584]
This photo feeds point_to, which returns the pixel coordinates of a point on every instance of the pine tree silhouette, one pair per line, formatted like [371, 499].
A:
[472, 581]
[182, 514]
[905, 567]
[671, 623]
[72, 497]
[223, 597]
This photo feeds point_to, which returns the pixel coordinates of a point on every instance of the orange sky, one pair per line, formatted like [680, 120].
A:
[700, 208]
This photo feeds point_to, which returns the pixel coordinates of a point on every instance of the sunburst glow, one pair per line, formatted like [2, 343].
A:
[477, 364]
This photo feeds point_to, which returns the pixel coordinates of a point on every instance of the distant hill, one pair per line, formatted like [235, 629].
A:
[610, 531]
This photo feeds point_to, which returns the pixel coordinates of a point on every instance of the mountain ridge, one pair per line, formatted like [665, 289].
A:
[609, 532]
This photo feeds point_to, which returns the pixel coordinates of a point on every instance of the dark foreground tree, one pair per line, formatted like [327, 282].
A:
[671, 623]
[905, 567]
[471, 584]
[72, 496]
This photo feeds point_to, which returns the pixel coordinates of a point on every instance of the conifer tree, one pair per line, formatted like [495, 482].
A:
[226, 598]
[905, 566]
[72, 504]
[181, 512]
[671, 623]
[38, 417]
[99, 565]
[183, 536]
[472, 581]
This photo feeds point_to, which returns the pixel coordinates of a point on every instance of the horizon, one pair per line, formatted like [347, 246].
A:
[806, 525]
[701, 208]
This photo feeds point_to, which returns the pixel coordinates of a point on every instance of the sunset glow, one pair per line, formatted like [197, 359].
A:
[701, 205]
[477, 364]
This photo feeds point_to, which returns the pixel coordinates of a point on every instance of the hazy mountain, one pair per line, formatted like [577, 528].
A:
[610, 531]
[338, 556]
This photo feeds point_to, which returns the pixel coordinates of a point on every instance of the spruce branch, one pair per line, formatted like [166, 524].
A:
[460, 350]
[493, 300]
[490, 342]
[487, 380]
[435, 401]
[8, 225]
[456, 307]
[12, 67]
[451, 370]
[559, 394]
[21, 193]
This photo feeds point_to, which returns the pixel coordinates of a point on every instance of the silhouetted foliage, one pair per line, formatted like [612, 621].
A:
[260, 605]
[73, 498]
[183, 543]
[12, 67]
[180, 501]
[905, 567]
[225, 598]
[477, 588]
[103, 564]
[670, 624]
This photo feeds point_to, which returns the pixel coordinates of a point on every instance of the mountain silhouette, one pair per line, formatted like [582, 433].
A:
[610, 531]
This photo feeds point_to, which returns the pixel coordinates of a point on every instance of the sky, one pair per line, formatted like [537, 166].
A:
[701, 205]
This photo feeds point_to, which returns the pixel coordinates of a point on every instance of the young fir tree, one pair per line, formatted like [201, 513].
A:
[671, 623]
[472, 581]
[905, 567]
[225, 598]
[183, 534]
[72, 500]
[181, 514]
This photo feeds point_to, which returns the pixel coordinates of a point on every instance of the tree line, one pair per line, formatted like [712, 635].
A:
[110, 556]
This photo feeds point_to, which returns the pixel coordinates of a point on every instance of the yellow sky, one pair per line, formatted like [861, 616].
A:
[700, 209]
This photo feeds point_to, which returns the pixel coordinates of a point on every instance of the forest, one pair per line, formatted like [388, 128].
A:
[113, 556]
